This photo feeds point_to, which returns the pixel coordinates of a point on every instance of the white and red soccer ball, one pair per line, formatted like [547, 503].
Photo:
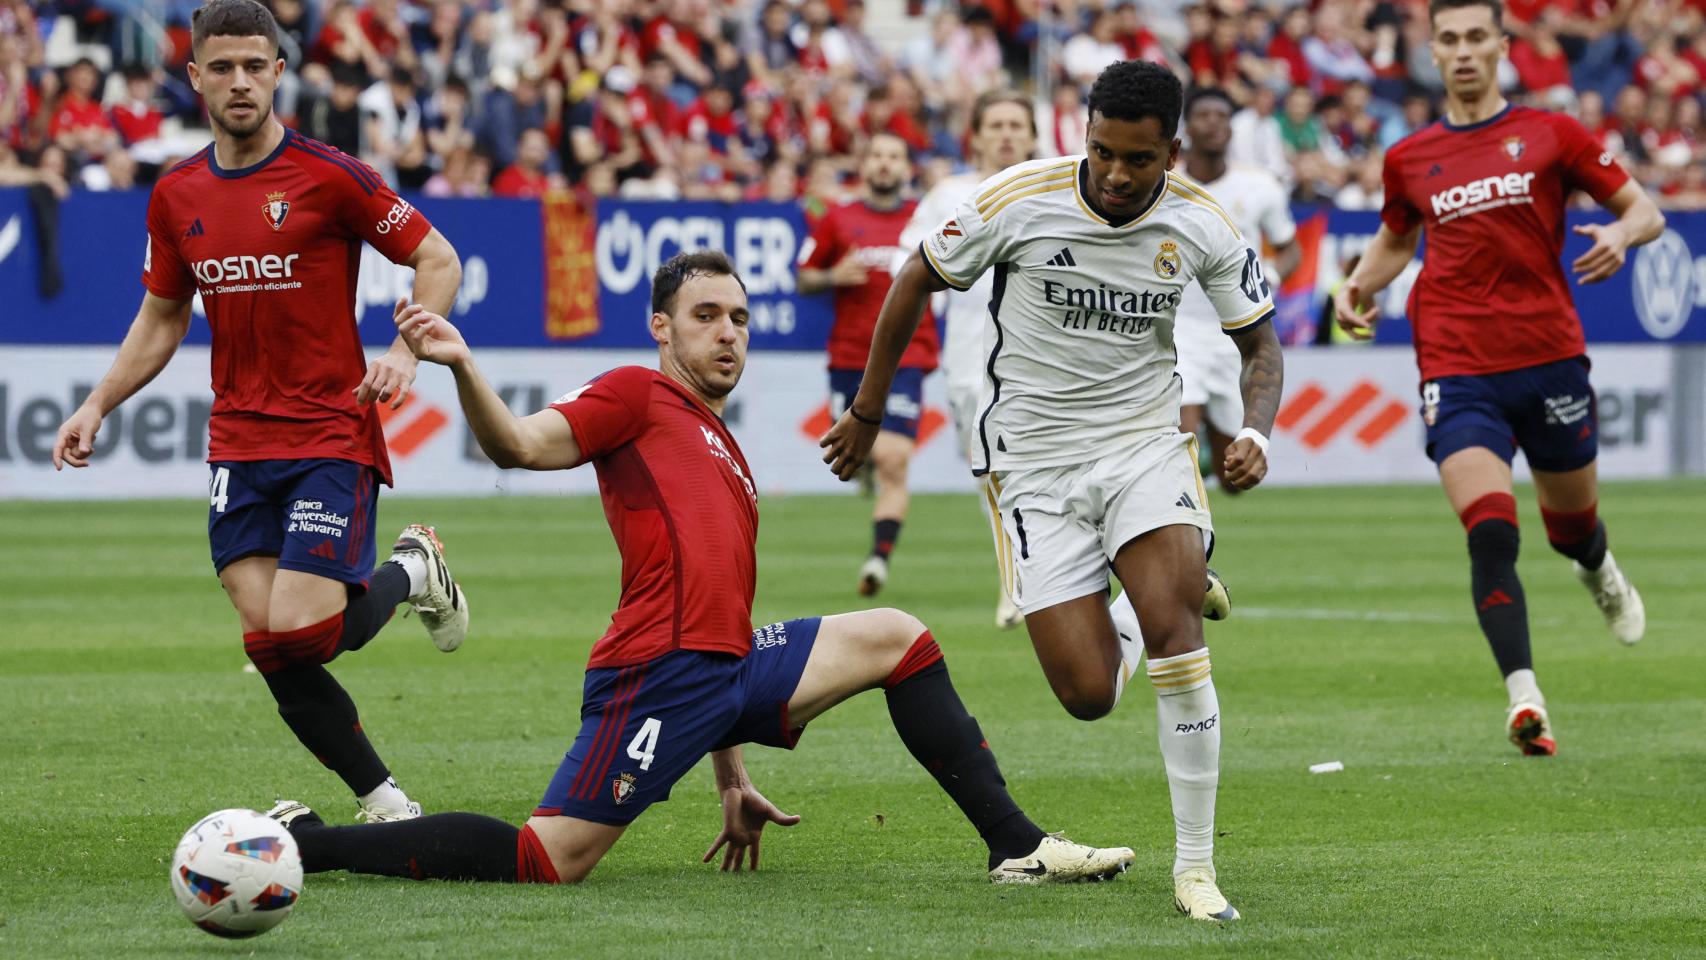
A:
[237, 873]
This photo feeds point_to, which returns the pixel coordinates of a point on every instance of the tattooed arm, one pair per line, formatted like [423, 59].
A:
[1260, 383]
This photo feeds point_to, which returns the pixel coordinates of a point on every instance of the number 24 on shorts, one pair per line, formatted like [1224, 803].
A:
[645, 743]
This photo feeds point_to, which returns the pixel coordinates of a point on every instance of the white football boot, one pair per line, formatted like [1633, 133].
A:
[1197, 896]
[1617, 599]
[1059, 860]
[873, 575]
[1007, 615]
[1529, 728]
[442, 606]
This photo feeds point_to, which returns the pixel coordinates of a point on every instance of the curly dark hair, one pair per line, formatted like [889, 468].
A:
[1133, 89]
[677, 270]
[1199, 94]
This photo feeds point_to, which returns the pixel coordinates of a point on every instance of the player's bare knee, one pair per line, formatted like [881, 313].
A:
[893, 632]
[1089, 701]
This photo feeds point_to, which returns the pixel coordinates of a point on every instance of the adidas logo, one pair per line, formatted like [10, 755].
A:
[1434, 171]
[1063, 259]
[1498, 598]
[195, 229]
[324, 551]
[1185, 501]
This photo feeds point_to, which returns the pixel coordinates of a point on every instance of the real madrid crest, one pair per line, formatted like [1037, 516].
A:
[275, 209]
[1167, 262]
[622, 788]
[1514, 147]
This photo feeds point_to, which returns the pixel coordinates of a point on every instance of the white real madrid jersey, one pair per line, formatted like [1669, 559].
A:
[1078, 347]
[1260, 209]
[965, 311]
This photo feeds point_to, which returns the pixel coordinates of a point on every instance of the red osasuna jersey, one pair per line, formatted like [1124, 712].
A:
[273, 250]
[680, 501]
[1490, 198]
[876, 235]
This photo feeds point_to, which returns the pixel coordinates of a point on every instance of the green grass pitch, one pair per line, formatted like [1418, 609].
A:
[128, 717]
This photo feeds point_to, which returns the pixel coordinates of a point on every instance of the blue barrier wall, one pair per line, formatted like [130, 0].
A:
[1660, 296]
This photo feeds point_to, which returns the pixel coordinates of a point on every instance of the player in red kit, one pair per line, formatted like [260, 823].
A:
[1503, 360]
[681, 673]
[853, 250]
[267, 227]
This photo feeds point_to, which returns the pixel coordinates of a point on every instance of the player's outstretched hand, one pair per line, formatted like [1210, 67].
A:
[847, 445]
[1246, 464]
[1356, 315]
[389, 377]
[430, 337]
[745, 812]
[76, 438]
[1605, 257]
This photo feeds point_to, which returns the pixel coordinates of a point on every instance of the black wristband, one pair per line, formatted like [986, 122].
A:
[869, 423]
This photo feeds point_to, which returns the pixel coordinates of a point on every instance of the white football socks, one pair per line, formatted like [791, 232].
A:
[387, 795]
[414, 565]
[1524, 688]
[1131, 643]
[1188, 716]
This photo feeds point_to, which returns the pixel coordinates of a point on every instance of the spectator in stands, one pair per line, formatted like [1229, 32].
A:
[136, 117]
[926, 59]
[1287, 45]
[392, 138]
[1062, 124]
[1088, 54]
[17, 97]
[1257, 138]
[335, 118]
[1416, 113]
[776, 50]
[1541, 64]
[975, 54]
[870, 64]
[1333, 59]
[1135, 36]
[80, 127]
[116, 171]
[526, 177]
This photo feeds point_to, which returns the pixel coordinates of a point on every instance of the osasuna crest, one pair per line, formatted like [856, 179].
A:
[622, 788]
[1167, 261]
[1514, 147]
[276, 209]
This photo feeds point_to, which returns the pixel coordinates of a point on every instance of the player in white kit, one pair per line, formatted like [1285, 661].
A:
[1257, 203]
[1079, 423]
[1004, 132]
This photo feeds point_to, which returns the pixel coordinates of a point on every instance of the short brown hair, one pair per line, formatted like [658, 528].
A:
[990, 98]
[1497, 6]
[232, 18]
[682, 267]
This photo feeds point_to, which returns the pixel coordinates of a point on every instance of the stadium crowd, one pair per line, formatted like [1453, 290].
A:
[732, 99]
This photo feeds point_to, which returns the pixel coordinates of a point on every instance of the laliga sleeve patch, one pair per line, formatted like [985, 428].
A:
[947, 239]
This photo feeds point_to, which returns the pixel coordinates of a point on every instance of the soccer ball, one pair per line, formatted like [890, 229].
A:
[237, 873]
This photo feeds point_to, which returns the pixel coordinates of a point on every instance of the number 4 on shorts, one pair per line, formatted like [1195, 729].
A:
[218, 489]
[645, 743]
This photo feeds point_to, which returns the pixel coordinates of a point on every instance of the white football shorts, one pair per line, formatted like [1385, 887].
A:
[1063, 525]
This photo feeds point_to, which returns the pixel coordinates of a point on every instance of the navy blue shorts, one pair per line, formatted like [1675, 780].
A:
[905, 404]
[315, 516]
[1548, 411]
[643, 727]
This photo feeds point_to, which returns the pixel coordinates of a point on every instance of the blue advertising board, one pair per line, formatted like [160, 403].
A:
[1660, 296]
